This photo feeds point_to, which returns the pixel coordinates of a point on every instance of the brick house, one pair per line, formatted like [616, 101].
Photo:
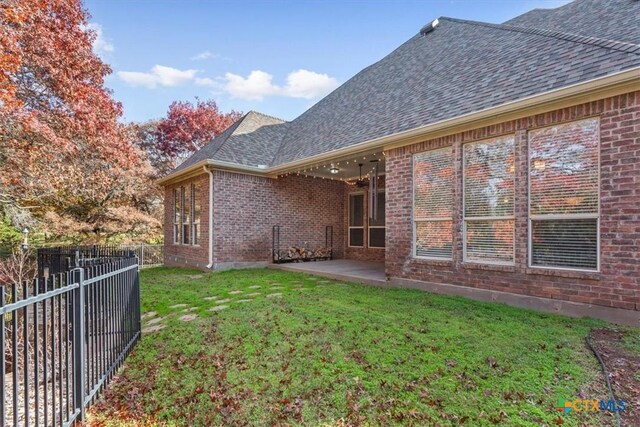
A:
[507, 157]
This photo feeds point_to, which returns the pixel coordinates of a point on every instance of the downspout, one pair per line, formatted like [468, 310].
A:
[210, 225]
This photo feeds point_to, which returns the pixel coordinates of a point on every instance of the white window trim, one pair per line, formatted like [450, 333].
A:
[185, 221]
[414, 251]
[178, 238]
[194, 225]
[465, 259]
[532, 218]
[358, 227]
[177, 226]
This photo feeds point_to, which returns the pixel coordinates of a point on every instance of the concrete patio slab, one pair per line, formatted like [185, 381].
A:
[367, 272]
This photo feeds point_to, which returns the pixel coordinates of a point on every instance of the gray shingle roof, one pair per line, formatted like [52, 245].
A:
[461, 67]
[252, 141]
[607, 19]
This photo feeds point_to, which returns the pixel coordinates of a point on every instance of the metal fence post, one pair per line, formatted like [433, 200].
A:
[142, 255]
[79, 348]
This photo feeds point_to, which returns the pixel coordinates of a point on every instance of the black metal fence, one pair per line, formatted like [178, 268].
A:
[63, 336]
[58, 259]
[148, 255]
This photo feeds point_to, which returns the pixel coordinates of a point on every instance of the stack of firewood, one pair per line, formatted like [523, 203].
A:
[322, 253]
[302, 254]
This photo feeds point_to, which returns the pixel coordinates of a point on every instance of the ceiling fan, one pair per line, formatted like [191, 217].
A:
[362, 183]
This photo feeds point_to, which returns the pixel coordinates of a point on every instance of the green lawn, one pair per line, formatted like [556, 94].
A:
[330, 353]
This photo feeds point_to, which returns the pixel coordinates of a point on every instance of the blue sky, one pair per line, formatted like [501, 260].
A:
[276, 57]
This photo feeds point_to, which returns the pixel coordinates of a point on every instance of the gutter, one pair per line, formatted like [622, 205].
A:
[210, 224]
[591, 90]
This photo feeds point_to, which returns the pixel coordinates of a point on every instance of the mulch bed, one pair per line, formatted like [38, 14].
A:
[623, 366]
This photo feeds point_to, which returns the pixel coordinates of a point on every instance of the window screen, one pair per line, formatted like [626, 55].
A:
[564, 177]
[488, 174]
[377, 226]
[356, 220]
[433, 203]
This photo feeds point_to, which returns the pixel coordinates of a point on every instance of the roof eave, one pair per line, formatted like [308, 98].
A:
[591, 90]
[199, 167]
[611, 85]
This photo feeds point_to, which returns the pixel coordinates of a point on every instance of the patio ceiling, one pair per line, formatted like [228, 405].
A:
[344, 168]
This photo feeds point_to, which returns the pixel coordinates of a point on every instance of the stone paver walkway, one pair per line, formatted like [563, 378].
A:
[152, 329]
[218, 307]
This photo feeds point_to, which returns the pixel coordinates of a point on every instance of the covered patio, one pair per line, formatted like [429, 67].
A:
[368, 272]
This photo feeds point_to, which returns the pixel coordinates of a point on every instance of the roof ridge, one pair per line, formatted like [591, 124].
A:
[265, 115]
[575, 38]
[232, 129]
[282, 143]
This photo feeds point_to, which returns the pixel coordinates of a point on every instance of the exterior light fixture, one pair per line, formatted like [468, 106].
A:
[334, 170]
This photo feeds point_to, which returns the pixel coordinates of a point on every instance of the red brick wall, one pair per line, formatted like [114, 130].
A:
[616, 285]
[189, 255]
[365, 253]
[246, 207]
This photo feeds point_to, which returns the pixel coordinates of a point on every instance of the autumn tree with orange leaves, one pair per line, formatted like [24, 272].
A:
[64, 158]
[188, 126]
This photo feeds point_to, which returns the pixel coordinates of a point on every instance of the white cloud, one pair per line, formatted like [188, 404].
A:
[255, 87]
[259, 84]
[308, 84]
[159, 75]
[206, 81]
[100, 44]
[204, 55]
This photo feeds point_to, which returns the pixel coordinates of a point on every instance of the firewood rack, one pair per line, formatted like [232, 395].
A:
[301, 254]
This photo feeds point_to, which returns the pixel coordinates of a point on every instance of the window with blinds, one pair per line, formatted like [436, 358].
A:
[195, 210]
[433, 203]
[177, 209]
[186, 216]
[564, 179]
[489, 217]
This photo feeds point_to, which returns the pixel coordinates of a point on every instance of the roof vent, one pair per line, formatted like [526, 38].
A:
[429, 27]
